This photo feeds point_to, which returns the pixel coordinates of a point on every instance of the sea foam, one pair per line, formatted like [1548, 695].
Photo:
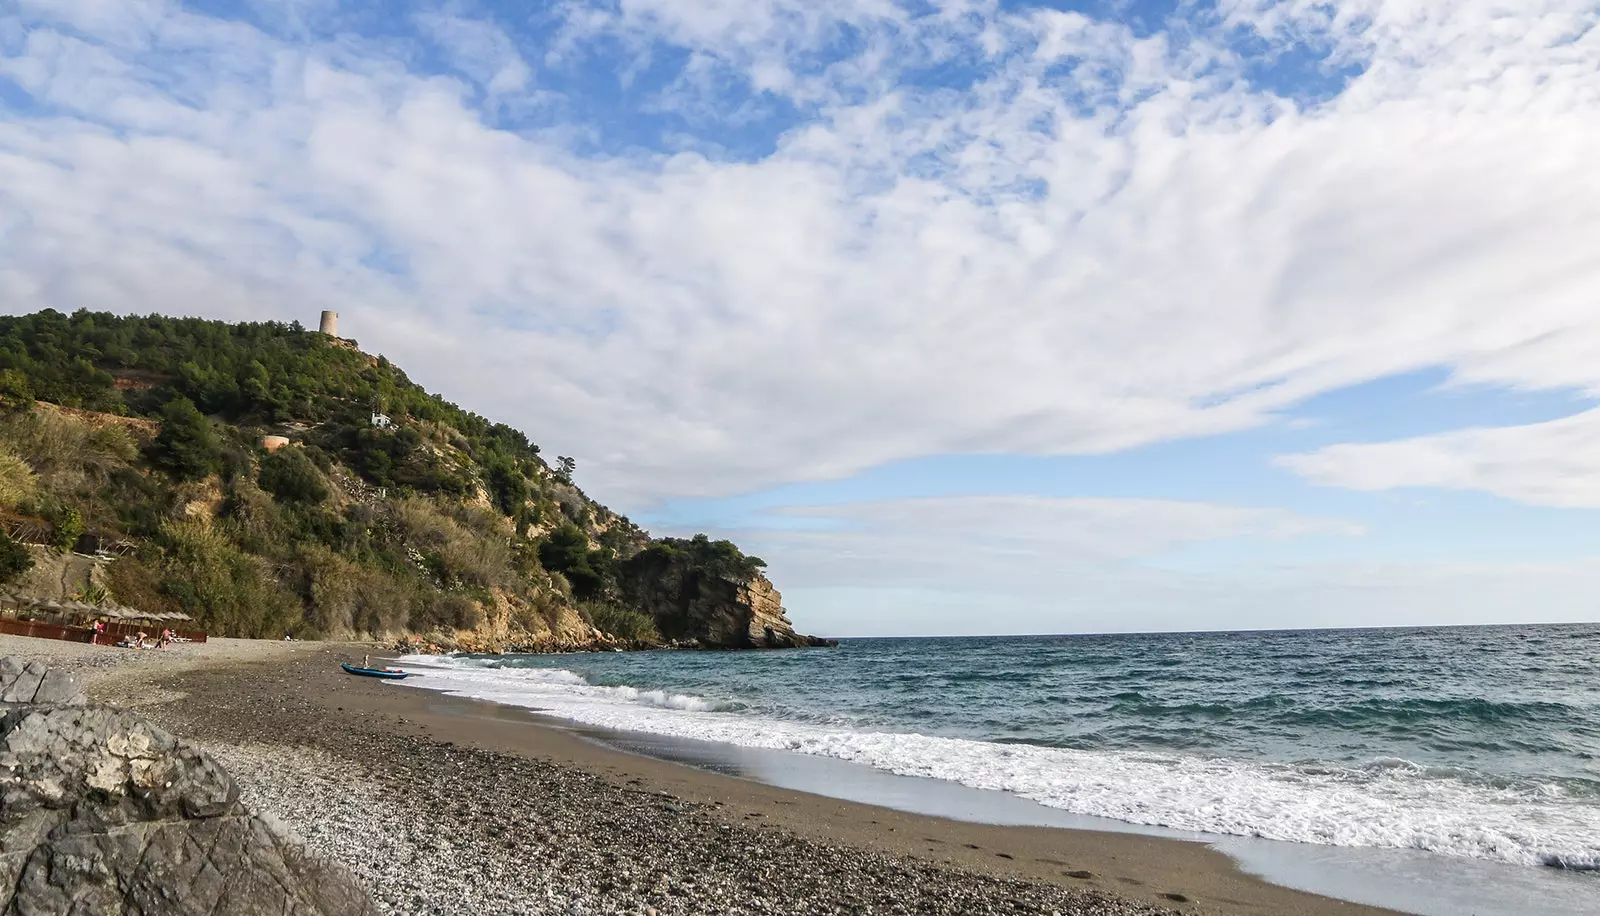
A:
[1388, 802]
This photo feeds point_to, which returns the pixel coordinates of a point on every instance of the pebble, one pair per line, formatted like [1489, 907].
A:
[438, 829]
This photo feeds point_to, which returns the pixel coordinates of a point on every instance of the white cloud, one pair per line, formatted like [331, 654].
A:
[1022, 564]
[481, 50]
[1555, 463]
[1148, 600]
[1011, 544]
[1108, 241]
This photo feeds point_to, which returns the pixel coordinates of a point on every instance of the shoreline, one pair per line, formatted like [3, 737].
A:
[498, 779]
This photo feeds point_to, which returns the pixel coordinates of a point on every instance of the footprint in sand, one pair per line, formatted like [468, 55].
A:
[1176, 898]
[1080, 874]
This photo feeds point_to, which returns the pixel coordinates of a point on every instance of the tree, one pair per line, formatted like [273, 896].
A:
[564, 468]
[506, 484]
[187, 446]
[15, 560]
[15, 390]
[66, 524]
[566, 551]
[291, 477]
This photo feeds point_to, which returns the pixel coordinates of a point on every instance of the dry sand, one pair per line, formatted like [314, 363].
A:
[487, 809]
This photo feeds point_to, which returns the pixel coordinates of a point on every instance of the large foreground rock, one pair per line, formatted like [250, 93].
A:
[103, 813]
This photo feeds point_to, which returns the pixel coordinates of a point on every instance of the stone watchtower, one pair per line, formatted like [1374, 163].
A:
[330, 324]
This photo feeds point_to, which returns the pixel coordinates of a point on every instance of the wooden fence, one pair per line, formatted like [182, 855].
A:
[113, 634]
[43, 630]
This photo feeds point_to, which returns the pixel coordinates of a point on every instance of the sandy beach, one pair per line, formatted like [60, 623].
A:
[447, 806]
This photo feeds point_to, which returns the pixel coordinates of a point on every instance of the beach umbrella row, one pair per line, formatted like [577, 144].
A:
[73, 606]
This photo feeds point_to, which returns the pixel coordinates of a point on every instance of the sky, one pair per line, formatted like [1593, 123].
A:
[968, 316]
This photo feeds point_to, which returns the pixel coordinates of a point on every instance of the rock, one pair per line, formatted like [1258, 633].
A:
[59, 689]
[103, 813]
[730, 610]
[19, 681]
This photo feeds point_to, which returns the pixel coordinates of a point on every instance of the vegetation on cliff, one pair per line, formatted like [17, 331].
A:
[378, 509]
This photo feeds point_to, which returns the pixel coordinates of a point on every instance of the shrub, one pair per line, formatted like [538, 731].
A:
[230, 592]
[66, 452]
[256, 523]
[344, 598]
[624, 622]
[136, 582]
[187, 446]
[453, 554]
[15, 560]
[66, 522]
[566, 551]
[15, 389]
[447, 612]
[291, 477]
[18, 483]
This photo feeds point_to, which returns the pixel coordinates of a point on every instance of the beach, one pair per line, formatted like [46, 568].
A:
[444, 805]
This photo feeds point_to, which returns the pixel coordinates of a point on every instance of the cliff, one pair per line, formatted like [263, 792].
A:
[722, 604]
[269, 480]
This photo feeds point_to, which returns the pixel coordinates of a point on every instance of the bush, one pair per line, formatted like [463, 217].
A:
[15, 389]
[566, 551]
[187, 446]
[15, 560]
[441, 611]
[66, 522]
[17, 480]
[344, 598]
[622, 622]
[68, 453]
[291, 477]
[455, 555]
[229, 592]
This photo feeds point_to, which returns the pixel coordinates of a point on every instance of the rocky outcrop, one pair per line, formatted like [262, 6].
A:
[103, 813]
[753, 615]
[696, 605]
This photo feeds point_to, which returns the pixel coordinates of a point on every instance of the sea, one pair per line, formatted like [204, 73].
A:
[1475, 749]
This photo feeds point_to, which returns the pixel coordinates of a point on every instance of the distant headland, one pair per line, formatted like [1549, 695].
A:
[266, 480]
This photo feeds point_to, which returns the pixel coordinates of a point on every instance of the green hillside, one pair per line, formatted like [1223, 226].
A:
[389, 511]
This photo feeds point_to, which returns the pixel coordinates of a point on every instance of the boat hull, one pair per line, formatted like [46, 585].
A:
[375, 672]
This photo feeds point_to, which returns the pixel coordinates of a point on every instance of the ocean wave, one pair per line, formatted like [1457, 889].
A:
[560, 678]
[1387, 802]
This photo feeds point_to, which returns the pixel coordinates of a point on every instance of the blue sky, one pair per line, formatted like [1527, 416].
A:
[968, 316]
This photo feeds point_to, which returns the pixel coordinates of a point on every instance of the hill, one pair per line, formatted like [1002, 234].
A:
[271, 480]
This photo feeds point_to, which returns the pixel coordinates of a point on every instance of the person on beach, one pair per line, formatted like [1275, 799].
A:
[96, 630]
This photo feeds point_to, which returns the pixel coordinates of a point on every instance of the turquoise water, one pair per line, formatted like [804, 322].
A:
[1469, 742]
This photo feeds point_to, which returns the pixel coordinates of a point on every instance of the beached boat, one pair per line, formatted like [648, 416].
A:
[393, 674]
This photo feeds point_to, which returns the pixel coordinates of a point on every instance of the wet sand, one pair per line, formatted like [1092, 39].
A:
[544, 819]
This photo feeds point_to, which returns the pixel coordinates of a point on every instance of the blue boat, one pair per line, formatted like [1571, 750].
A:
[391, 674]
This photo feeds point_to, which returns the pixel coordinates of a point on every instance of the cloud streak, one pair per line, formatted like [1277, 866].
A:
[1037, 233]
[1556, 463]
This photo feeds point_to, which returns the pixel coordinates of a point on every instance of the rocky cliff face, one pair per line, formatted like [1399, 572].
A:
[715, 611]
[102, 813]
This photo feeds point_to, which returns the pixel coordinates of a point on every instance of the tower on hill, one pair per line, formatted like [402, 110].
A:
[330, 323]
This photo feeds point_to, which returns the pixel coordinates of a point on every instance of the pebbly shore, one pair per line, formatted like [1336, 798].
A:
[440, 829]
[446, 807]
